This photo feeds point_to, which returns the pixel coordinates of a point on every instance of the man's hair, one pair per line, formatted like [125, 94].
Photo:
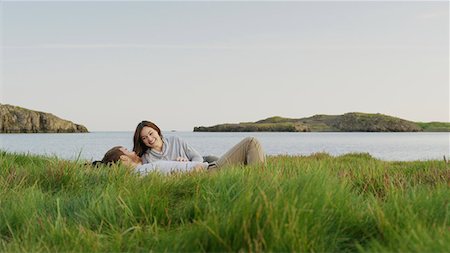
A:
[111, 156]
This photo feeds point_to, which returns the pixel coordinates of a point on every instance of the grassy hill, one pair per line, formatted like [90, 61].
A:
[349, 122]
[317, 203]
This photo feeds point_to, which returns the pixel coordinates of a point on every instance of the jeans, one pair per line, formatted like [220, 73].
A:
[247, 152]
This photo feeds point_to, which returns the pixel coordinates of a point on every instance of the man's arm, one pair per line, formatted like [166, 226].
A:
[167, 167]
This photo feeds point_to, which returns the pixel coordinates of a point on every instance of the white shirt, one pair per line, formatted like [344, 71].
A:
[168, 167]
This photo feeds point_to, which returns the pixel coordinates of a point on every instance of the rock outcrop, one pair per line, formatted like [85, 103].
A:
[14, 119]
[363, 122]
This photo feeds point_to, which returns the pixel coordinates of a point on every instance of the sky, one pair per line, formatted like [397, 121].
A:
[110, 64]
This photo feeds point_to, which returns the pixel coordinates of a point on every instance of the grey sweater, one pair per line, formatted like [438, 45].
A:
[173, 147]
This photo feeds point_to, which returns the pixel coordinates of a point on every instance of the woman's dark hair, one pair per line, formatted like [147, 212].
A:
[138, 146]
[111, 156]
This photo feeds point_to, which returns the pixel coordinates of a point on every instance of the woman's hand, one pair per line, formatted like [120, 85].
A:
[182, 159]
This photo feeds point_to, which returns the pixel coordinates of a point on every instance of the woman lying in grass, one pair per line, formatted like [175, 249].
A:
[151, 146]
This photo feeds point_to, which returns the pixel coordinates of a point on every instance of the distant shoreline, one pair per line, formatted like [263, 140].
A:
[349, 122]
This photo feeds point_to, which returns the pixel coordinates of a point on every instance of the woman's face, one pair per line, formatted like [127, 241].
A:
[151, 138]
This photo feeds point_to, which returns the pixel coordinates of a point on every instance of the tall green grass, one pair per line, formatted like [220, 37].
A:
[318, 203]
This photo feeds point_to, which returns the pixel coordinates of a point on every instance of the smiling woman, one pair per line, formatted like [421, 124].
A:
[151, 147]
[147, 135]
[151, 138]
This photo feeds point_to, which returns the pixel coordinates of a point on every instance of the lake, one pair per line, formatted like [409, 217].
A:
[386, 146]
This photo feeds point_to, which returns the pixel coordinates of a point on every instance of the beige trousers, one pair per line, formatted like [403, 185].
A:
[247, 151]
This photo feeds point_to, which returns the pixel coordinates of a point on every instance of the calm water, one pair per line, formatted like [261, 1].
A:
[386, 146]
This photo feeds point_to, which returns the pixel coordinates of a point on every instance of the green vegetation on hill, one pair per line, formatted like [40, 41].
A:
[349, 122]
[317, 203]
[435, 126]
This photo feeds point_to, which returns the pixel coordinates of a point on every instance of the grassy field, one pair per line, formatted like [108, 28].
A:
[318, 203]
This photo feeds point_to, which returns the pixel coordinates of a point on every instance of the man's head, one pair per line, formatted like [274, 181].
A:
[121, 154]
[129, 157]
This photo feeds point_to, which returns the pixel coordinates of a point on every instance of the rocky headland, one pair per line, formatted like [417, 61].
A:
[349, 122]
[15, 119]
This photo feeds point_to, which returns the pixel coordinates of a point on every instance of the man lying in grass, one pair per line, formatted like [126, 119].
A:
[130, 159]
[247, 151]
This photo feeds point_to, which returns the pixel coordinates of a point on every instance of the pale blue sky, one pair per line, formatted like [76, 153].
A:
[109, 65]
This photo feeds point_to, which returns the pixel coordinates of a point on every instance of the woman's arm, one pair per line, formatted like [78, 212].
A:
[193, 155]
[190, 152]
